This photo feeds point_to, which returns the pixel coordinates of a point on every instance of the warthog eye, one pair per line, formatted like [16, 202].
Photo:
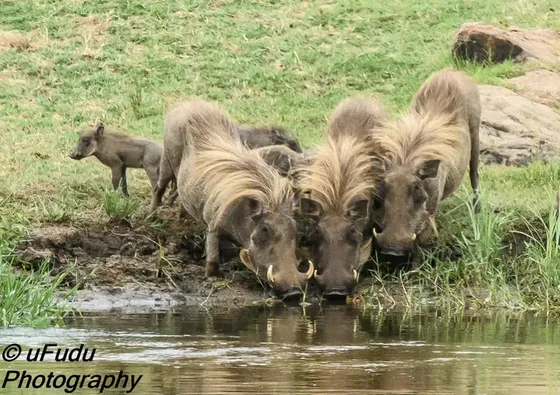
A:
[417, 192]
[377, 203]
[353, 235]
[263, 234]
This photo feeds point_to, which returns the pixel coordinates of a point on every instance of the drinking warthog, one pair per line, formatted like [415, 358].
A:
[173, 150]
[238, 196]
[119, 151]
[426, 154]
[336, 189]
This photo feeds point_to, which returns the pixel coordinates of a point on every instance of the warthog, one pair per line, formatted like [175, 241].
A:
[120, 151]
[284, 159]
[238, 196]
[426, 154]
[255, 137]
[337, 189]
[173, 145]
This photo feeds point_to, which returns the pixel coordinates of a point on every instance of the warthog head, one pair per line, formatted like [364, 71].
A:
[265, 136]
[400, 207]
[281, 137]
[271, 249]
[87, 143]
[340, 244]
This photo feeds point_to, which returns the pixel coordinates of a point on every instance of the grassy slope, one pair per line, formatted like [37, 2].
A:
[284, 62]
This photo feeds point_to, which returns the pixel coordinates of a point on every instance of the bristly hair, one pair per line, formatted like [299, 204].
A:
[416, 138]
[230, 171]
[357, 117]
[204, 121]
[441, 93]
[341, 173]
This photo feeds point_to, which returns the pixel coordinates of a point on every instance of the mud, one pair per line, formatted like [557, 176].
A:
[138, 266]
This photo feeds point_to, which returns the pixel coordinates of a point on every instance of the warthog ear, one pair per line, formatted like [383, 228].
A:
[309, 207]
[428, 169]
[359, 209]
[253, 208]
[99, 129]
[246, 209]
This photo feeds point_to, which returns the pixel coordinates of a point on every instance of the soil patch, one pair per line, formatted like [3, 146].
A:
[138, 266]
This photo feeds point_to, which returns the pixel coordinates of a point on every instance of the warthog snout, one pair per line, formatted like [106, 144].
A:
[394, 246]
[285, 280]
[75, 155]
[337, 280]
[341, 284]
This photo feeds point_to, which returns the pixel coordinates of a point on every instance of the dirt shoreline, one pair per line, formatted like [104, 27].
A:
[139, 266]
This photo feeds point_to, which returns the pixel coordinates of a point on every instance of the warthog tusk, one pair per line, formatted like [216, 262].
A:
[269, 275]
[315, 273]
[434, 227]
[355, 275]
[413, 236]
[246, 259]
[311, 271]
[374, 233]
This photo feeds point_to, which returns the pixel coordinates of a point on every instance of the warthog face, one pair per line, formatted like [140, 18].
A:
[283, 138]
[400, 208]
[271, 252]
[87, 143]
[340, 245]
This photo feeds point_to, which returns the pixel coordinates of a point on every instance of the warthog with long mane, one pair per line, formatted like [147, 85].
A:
[426, 154]
[337, 188]
[252, 137]
[238, 196]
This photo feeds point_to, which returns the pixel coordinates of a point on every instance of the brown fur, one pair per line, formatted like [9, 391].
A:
[426, 153]
[120, 151]
[339, 184]
[255, 137]
[238, 195]
[174, 144]
[282, 158]
[229, 171]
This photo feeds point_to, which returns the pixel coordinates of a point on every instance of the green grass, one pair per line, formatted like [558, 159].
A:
[31, 298]
[266, 62]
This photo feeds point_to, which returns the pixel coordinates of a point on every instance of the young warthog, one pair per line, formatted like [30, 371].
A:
[173, 145]
[426, 154]
[337, 188]
[255, 137]
[239, 197]
[120, 151]
[285, 160]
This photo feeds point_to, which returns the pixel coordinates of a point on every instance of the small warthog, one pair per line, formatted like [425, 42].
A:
[173, 150]
[285, 160]
[120, 151]
[255, 137]
[337, 188]
[426, 154]
[238, 196]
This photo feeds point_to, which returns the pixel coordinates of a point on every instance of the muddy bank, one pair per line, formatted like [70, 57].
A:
[139, 266]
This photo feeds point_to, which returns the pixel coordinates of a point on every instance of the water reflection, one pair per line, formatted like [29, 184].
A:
[340, 349]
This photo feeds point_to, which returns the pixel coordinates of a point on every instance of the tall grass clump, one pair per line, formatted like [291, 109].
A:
[484, 260]
[117, 206]
[31, 298]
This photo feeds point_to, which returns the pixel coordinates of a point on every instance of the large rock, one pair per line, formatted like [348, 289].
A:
[480, 43]
[541, 85]
[515, 130]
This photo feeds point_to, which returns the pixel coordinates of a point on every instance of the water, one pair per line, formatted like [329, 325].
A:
[336, 349]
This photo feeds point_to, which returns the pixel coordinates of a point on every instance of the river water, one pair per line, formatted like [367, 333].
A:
[329, 349]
